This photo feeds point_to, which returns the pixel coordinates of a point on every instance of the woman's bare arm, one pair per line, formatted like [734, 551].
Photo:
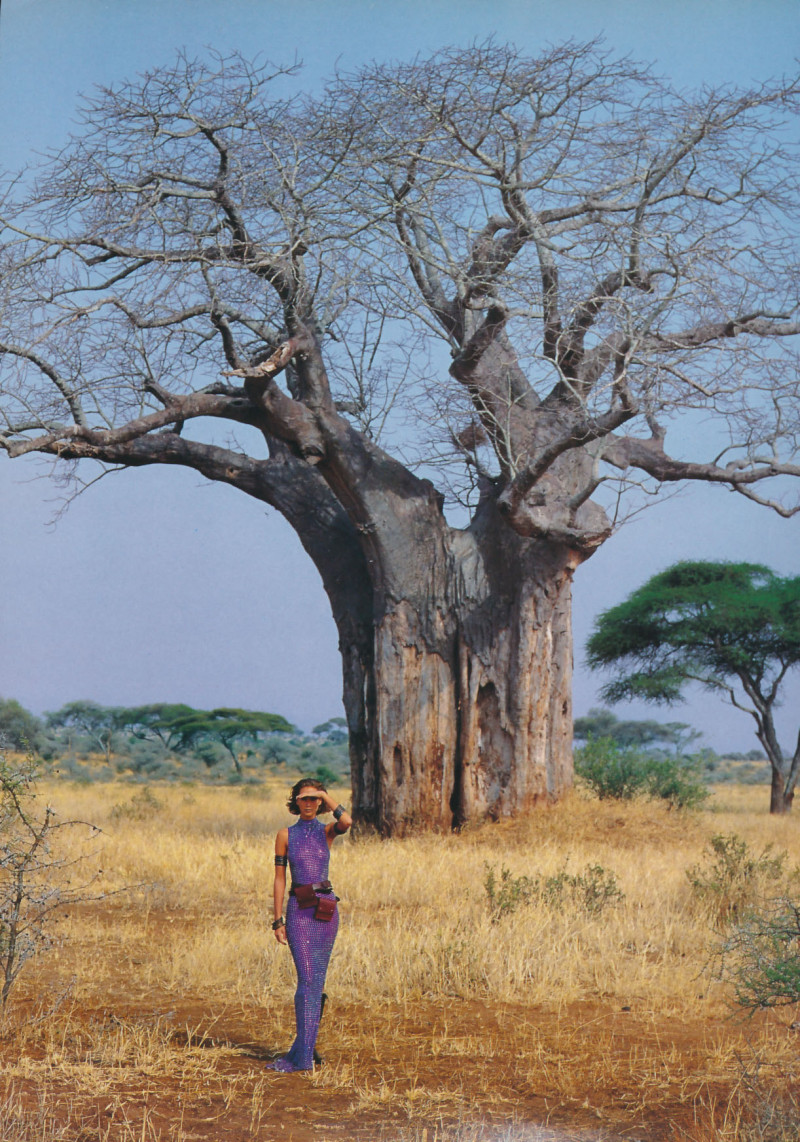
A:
[279, 885]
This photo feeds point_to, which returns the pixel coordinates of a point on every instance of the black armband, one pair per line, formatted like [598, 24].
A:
[338, 811]
[338, 828]
[281, 861]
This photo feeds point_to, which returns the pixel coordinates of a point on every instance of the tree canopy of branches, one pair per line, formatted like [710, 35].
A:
[231, 728]
[734, 628]
[180, 727]
[96, 721]
[522, 273]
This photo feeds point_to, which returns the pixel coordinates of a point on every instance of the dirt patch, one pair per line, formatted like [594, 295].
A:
[185, 1069]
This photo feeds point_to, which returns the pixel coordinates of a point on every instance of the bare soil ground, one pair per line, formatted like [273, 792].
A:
[150, 1064]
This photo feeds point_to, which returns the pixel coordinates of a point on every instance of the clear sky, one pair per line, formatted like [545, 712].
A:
[157, 586]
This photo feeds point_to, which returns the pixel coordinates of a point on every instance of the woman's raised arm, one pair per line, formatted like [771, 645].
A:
[343, 819]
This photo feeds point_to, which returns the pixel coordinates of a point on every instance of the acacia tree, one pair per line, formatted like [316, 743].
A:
[231, 728]
[96, 721]
[521, 271]
[734, 628]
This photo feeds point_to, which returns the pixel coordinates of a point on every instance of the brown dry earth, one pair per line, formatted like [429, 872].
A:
[459, 1069]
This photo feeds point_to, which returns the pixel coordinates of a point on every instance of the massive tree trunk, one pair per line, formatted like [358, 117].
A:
[459, 704]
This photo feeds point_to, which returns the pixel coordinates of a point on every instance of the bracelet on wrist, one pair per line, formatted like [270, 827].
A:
[279, 923]
[339, 811]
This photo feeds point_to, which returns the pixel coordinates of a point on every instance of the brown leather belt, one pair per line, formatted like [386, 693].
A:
[323, 886]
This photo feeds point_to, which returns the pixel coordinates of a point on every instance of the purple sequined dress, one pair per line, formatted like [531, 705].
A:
[310, 941]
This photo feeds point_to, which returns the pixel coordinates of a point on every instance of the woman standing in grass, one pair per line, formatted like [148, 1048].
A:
[312, 918]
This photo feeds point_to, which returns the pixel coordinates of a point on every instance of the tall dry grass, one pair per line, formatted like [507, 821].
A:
[189, 873]
[415, 920]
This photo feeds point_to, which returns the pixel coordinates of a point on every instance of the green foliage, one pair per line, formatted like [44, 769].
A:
[19, 729]
[326, 775]
[703, 621]
[211, 753]
[157, 721]
[334, 730]
[173, 741]
[734, 628]
[761, 956]
[733, 880]
[508, 893]
[612, 771]
[619, 773]
[678, 781]
[96, 721]
[589, 891]
[183, 728]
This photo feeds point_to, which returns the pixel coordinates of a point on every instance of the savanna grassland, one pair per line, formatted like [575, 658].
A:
[584, 1005]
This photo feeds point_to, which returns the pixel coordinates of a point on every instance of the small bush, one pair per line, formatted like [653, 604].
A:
[36, 880]
[589, 891]
[623, 772]
[733, 879]
[678, 782]
[506, 894]
[211, 753]
[761, 957]
[612, 771]
[773, 1118]
[326, 775]
[141, 806]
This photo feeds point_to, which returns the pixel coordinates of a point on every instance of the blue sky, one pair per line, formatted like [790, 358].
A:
[155, 585]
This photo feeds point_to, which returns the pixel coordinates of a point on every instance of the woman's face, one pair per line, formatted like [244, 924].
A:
[308, 801]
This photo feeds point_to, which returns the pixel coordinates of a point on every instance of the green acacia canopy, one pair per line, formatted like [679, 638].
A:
[182, 727]
[714, 623]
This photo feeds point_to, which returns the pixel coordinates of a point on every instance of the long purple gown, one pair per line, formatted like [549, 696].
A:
[310, 941]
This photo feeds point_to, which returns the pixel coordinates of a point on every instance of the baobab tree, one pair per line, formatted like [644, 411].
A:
[478, 278]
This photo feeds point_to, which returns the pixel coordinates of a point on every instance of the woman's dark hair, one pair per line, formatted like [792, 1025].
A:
[303, 783]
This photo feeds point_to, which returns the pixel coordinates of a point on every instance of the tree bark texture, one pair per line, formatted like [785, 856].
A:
[459, 701]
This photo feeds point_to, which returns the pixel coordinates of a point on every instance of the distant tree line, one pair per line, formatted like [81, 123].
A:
[174, 740]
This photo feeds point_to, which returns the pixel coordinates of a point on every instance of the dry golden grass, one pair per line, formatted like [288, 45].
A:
[440, 1020]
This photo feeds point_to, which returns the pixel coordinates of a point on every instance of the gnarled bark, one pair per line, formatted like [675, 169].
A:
[462, 703]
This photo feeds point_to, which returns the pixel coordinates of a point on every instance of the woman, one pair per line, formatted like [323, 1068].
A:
[312, 919]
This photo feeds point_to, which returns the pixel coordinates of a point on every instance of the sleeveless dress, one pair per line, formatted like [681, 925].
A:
[310, 941]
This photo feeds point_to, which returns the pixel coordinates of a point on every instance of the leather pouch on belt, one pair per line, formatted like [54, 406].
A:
[305, 895]
[325, 909]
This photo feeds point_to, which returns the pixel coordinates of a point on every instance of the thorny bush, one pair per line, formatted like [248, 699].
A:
[733, 880]
[760, 957]
[34, 884]
[589, 891]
